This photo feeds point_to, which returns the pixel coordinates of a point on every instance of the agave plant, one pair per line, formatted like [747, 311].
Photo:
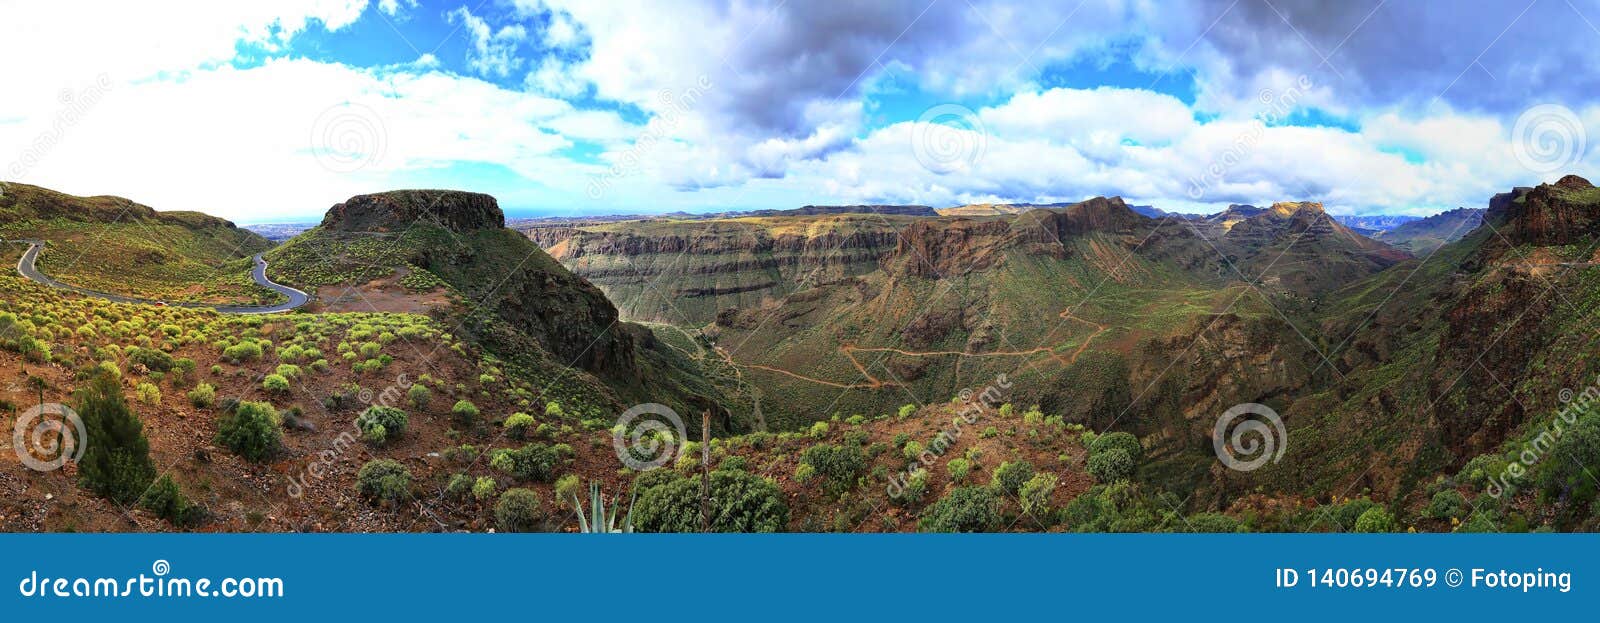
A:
[598, 520]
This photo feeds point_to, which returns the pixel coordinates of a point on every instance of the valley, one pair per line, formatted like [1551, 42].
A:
[861, 368]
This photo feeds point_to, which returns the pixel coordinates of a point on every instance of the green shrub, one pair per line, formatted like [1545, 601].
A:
[741, 502]
[518, 425]
[517, 511]
[152, 359]
[288, 371]
[567, 488]
[958, 469]
[1119, 440]
[1111, 465]
[1347, 513]
[241, 352]
[484, 488]
[1034, 495]
[1011, 475]
[533, 462]
[1376, 519]
[115, 463]
[915, 488]
[818, 430]
[253, 431]
[419, 395]
[465, 412]
[148, 393]
[379, 424]
[1212, 522]
[840, 465]
[963, 509]
[275, 383]
[384, 481]
[911, 450]
[166, 500]
[1447, 504]
[907, 410]
[459, 486]
[804, 472]
[203, 395]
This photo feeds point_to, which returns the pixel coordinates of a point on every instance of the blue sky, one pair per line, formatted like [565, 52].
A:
[275, 111]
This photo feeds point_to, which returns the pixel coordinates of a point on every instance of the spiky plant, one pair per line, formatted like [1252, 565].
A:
[598, 520]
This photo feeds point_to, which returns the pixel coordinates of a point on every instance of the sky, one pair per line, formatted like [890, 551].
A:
[273, 111]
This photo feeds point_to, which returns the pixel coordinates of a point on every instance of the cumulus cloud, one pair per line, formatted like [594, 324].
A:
[494, 50]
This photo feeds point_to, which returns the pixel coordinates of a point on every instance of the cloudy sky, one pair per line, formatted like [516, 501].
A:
[272, 111]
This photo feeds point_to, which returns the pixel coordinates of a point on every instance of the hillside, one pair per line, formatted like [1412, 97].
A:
[1420, 237]
[114, 245]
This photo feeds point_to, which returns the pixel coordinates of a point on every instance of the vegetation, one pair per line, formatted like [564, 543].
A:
[116, 461]
[253, 430]
[380, 425]
[384, 481]
[517, 511]
[963, 509]
[741, 502]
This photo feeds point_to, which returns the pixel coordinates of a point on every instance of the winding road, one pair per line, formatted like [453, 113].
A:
[27, 267]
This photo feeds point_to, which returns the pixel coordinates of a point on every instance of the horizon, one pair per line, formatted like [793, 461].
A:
[563, 108]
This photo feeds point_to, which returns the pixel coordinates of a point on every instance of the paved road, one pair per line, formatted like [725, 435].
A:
[27, 267]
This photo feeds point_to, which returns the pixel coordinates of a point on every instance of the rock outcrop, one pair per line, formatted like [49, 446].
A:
[394, 211]
[1550, 214]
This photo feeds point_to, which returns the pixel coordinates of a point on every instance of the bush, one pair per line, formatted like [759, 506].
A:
[384, 481]
[818, 430]
[1212, 522]
[1034, 495]
[1570, 479]
[243, 351]
[275, 383]
[518, 425]
[484, 488]
[1447, 504]
[152, 359]
[465, 412]
[380, 424]
[567, 489]
[203, 395]
[553, 410]
[1118, 440]
[1011, 475]
[916, 486]
[1111, 465]
[741, 502]
[166, 500]
[963, 509]
[1347, 513]
[517, 511]
[911, 450]
[535, 462]
[148, 393]
[907, 410]
[1376, 519]
[840, 465]
[419, 395]
[116, 456]
[459, 486]
[252, 431]
[958, 469]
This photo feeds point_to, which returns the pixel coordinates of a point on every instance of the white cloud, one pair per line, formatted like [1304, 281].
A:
[494, 51]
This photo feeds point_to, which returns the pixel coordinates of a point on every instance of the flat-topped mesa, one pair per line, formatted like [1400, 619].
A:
[1550, 214]
[1291, 208]
[398, 210]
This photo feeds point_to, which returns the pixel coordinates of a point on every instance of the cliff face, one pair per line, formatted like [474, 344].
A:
[396, 210]
[1551, 214]
[684, 272]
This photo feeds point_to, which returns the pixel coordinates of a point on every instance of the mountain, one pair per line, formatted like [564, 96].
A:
[1298, 248]
[1373, 224]
[449, 254]
[1423, 236]
[115, 245]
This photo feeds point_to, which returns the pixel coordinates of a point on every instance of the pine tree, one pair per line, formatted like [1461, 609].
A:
[116, 458]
